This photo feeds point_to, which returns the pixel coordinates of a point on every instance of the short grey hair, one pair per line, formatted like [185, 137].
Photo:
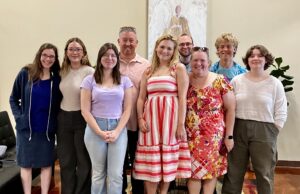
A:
[127, 29]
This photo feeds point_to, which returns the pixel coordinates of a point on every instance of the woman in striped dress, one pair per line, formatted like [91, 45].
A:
[162, 151]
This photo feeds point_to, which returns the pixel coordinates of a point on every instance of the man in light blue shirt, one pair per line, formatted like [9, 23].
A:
[226, 46]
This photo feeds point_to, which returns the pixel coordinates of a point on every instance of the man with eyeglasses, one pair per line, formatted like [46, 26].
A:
[185, 46]
[133, 66]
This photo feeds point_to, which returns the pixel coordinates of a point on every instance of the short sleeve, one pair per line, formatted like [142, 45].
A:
[126, 82]
[91, 70]
[87, 82]
[233, 81]
[213, 68]
[224, 85]
[87, 70]
[242, 70]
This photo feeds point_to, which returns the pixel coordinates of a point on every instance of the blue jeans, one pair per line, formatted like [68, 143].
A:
[107, 158]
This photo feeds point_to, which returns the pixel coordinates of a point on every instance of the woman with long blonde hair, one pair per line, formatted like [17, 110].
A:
[162, 151]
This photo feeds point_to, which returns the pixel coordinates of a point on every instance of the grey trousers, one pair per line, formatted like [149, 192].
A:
[257, 140]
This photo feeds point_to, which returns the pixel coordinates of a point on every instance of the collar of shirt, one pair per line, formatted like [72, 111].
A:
[136, 59]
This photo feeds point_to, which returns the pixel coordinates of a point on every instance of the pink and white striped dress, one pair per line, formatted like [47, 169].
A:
[159, 155]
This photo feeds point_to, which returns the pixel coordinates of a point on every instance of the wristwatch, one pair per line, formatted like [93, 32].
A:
[229, 137]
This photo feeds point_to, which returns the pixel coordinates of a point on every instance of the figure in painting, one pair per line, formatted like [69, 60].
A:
[178, 24]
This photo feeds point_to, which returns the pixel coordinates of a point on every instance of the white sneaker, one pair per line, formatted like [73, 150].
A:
[2, 150]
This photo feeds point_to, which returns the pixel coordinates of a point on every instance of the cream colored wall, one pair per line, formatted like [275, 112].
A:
[25, 25]
[275, 24]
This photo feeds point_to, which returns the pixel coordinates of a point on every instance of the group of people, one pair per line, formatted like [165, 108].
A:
[176, 117]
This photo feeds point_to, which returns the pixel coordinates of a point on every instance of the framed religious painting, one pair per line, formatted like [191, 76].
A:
[176, 17]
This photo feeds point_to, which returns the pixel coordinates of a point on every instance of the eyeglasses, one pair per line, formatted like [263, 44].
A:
[48, 56]
[106, 56]
[74, 49]
[185, 44]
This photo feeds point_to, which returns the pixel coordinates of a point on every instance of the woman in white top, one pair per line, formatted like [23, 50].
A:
[75, 165]
[261, 111]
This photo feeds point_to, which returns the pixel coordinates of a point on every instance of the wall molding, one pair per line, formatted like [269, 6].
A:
[288, 163]
[288, 167]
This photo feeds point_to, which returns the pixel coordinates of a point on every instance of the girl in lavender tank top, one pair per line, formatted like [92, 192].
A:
[106, 107]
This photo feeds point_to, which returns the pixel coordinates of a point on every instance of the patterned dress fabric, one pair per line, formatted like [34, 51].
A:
[206, 128]
[159, 155]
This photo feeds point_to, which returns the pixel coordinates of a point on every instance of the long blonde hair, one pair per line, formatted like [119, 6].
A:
[67, 63]
[155, 60]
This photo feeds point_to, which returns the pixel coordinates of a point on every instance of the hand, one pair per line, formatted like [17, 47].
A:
[143, 125]
[181, 133]
[229, 143]
[112, 136]
[103, 134]
[278, 127]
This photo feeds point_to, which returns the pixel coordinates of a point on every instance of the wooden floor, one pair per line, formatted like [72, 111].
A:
[287, 181]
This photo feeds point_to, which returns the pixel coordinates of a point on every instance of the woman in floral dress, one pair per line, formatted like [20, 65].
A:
[209, 123]
[162, 150]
